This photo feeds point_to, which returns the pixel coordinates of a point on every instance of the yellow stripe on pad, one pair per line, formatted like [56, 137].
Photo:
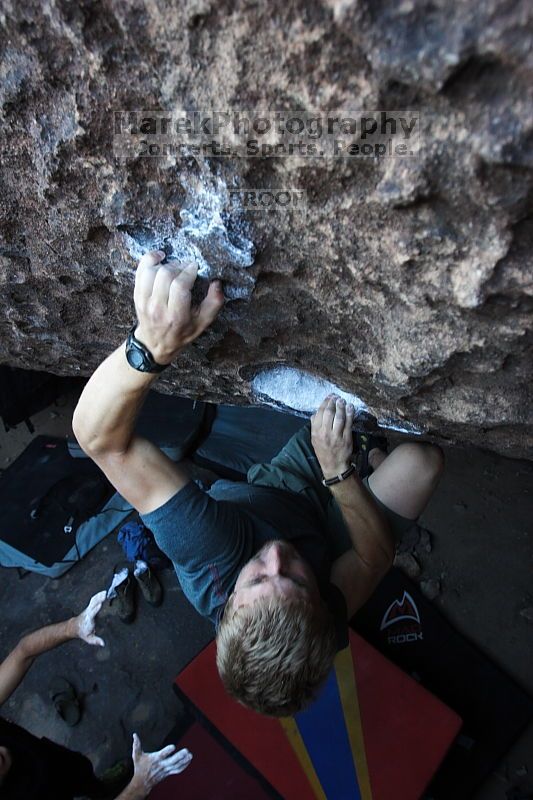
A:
[344, 669]
[296, 742]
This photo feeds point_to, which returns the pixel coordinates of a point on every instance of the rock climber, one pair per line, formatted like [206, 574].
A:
[278, 563]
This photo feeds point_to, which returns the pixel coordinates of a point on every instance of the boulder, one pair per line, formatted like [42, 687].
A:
[402, 280]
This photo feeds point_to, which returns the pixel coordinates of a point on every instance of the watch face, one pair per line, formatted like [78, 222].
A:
[136, 358]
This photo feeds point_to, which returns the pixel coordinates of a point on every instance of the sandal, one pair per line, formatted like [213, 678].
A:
[65, 701]
[365, 443]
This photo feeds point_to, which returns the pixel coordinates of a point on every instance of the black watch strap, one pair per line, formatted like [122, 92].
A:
[138, 355]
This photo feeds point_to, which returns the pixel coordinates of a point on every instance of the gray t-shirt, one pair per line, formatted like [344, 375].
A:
[209, 537]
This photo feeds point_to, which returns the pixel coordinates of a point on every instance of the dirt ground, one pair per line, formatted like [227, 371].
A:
[482, 554]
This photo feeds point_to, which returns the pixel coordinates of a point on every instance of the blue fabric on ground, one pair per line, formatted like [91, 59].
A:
[138, 544]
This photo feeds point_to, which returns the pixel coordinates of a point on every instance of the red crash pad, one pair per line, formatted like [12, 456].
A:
[397, 732]
[212, 774]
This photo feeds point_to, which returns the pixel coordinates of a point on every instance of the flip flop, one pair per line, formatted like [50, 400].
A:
[65, 701]
[365, 443]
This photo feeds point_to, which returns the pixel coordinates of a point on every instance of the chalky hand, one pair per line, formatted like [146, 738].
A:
[331, 435]
[163, 304]
[151, 768]
[85, 623]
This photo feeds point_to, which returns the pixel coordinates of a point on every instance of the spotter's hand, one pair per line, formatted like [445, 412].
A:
[85, 623]
[331, 435]
[151, 768]
[163, 304]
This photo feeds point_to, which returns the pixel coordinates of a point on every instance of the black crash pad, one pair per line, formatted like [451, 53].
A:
[172, 423]
[409, 630]
[45, 491]
[241, 436]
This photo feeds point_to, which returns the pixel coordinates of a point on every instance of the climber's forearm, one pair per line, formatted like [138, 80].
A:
[104, 419]
[369, 530]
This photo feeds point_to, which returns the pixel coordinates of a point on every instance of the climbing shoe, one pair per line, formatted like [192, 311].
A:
[124, 601]
[148, 583]
[365, 442]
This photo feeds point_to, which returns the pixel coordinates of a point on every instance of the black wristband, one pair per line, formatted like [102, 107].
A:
[341, 477]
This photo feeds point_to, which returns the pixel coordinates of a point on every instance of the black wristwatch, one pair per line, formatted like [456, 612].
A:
[139, 357]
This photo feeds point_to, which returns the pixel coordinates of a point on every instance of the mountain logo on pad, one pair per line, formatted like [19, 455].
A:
[400, 611]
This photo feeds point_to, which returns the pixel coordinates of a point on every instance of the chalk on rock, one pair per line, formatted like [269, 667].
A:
[299, 390]
[527, 613]
[214, 233]
[287, 388]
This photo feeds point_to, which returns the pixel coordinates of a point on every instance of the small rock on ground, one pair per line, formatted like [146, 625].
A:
[409, 540]
[430, 588]
[424, 542]
[408, 564]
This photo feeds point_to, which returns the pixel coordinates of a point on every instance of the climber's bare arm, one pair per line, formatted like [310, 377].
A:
[104, 419]
[358, 571]
[104, 422]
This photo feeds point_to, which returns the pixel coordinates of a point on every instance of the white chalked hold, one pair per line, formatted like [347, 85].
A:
[299, 390]
[303, 392]
[213, 233]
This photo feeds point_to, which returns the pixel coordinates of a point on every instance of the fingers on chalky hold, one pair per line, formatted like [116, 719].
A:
[181, 283]
[151, 258]
[329, 413]
[210, 306]
[340, 414]
[187, 275]
[144, 280]
[161, 286]
[350, 413]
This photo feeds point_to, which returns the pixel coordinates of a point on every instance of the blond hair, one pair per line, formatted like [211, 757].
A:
[274, 654]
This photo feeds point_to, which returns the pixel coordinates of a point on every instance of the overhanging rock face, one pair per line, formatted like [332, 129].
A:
[407, 281]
